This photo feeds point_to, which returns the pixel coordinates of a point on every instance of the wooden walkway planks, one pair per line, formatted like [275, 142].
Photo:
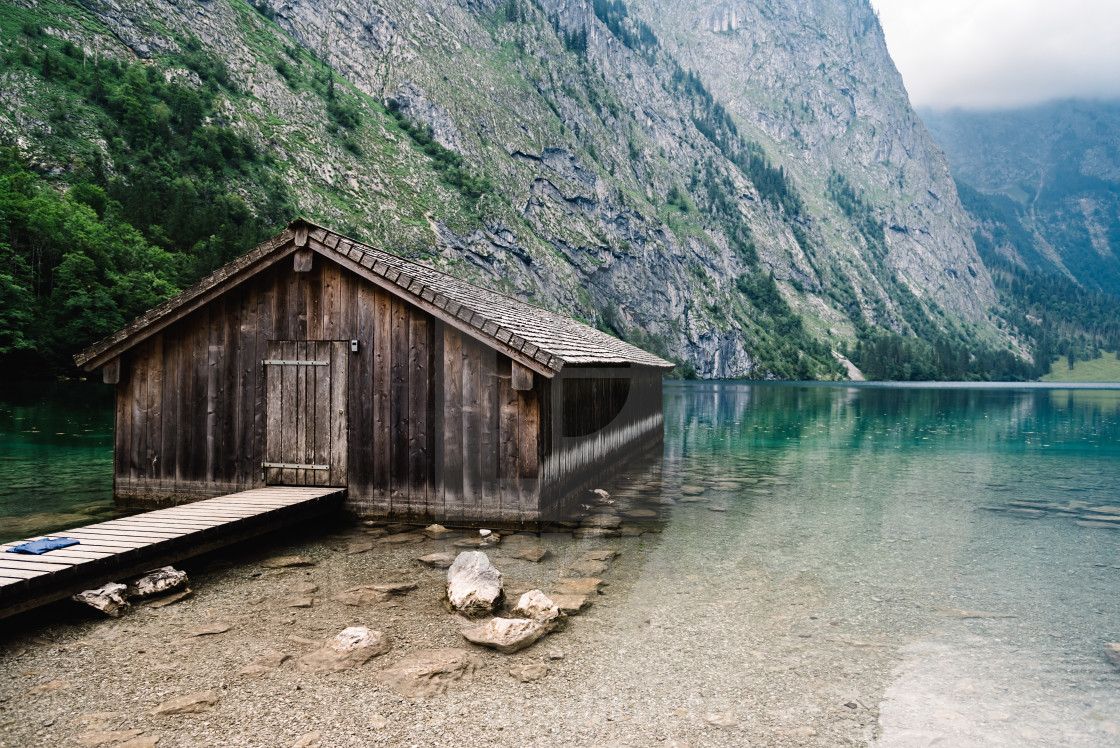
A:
[124, 547]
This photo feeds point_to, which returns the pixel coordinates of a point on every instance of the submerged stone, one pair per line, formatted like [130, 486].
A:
[430, 671]
[436, 532]
[288, 561]
[535, 555]
[191, 704]
[528, 673]
[438, 560]
[352, 647]
[507, 635]
[1112, 652]
[266, 663]
[537, 606]
[578, 586]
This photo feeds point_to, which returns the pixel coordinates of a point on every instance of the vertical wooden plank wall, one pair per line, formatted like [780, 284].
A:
[490, 438]
[435, 429]
[450, 485]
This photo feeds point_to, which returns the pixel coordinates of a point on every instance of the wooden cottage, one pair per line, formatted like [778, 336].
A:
[317, 360]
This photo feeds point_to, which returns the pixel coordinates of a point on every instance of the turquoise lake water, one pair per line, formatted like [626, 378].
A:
[56, 456]
[889, 564]
[966, 538]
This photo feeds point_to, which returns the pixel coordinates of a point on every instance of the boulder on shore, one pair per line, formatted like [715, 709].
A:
[109, 599]
[158, 581]
[474, 586]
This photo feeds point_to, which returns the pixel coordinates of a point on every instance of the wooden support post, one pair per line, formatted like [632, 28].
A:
[522, 377]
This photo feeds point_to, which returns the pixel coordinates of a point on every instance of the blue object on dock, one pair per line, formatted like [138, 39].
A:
[39, 547]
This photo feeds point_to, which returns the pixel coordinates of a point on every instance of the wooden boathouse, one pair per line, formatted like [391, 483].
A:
[316, 360]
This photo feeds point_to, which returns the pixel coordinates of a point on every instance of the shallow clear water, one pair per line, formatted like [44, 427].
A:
[834, 564]
[56, 456]
[940, 531]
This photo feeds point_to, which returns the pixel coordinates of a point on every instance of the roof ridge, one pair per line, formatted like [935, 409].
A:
[371, 248]
[539, 337]
[569, 324]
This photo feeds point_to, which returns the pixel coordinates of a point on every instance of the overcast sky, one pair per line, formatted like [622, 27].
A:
[992, 54]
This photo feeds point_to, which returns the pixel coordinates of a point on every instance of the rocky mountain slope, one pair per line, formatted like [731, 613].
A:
[741, 186]
[1056, 170]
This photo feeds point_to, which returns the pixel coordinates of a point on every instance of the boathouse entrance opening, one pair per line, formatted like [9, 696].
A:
[305, 413]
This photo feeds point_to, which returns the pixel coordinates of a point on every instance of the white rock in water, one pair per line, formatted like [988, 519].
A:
[507, 635]
[158, 581]
[352, 647]
[474, 586]
[536, 606]
[109, 599]
[484, 533]
[600, 493]
[1112, 651]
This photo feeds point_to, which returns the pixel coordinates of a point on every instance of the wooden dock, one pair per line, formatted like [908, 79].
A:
[121, 548]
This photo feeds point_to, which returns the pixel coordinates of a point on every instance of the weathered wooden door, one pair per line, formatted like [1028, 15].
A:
[305, 409]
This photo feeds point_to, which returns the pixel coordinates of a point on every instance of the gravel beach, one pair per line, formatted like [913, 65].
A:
[652, 660]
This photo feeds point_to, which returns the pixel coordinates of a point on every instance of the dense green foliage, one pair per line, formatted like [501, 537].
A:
[176, 170]
[71, 269]
[793, 352]
[86, 250]
[1063, 318]
[889, 356]
[634, 33]
[936, 351]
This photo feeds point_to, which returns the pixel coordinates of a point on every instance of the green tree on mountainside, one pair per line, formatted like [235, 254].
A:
[70, 275]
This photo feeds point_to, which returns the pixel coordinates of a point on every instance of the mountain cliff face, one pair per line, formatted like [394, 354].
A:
[741, 186]
[814, 82]
[1056, 170]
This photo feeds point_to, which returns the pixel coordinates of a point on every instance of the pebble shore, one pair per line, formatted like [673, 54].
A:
[642, 660]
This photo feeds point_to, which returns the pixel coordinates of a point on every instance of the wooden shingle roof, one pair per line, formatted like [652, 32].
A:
[536, 337]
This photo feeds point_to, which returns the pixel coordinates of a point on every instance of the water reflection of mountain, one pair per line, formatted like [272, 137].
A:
[734, 417]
